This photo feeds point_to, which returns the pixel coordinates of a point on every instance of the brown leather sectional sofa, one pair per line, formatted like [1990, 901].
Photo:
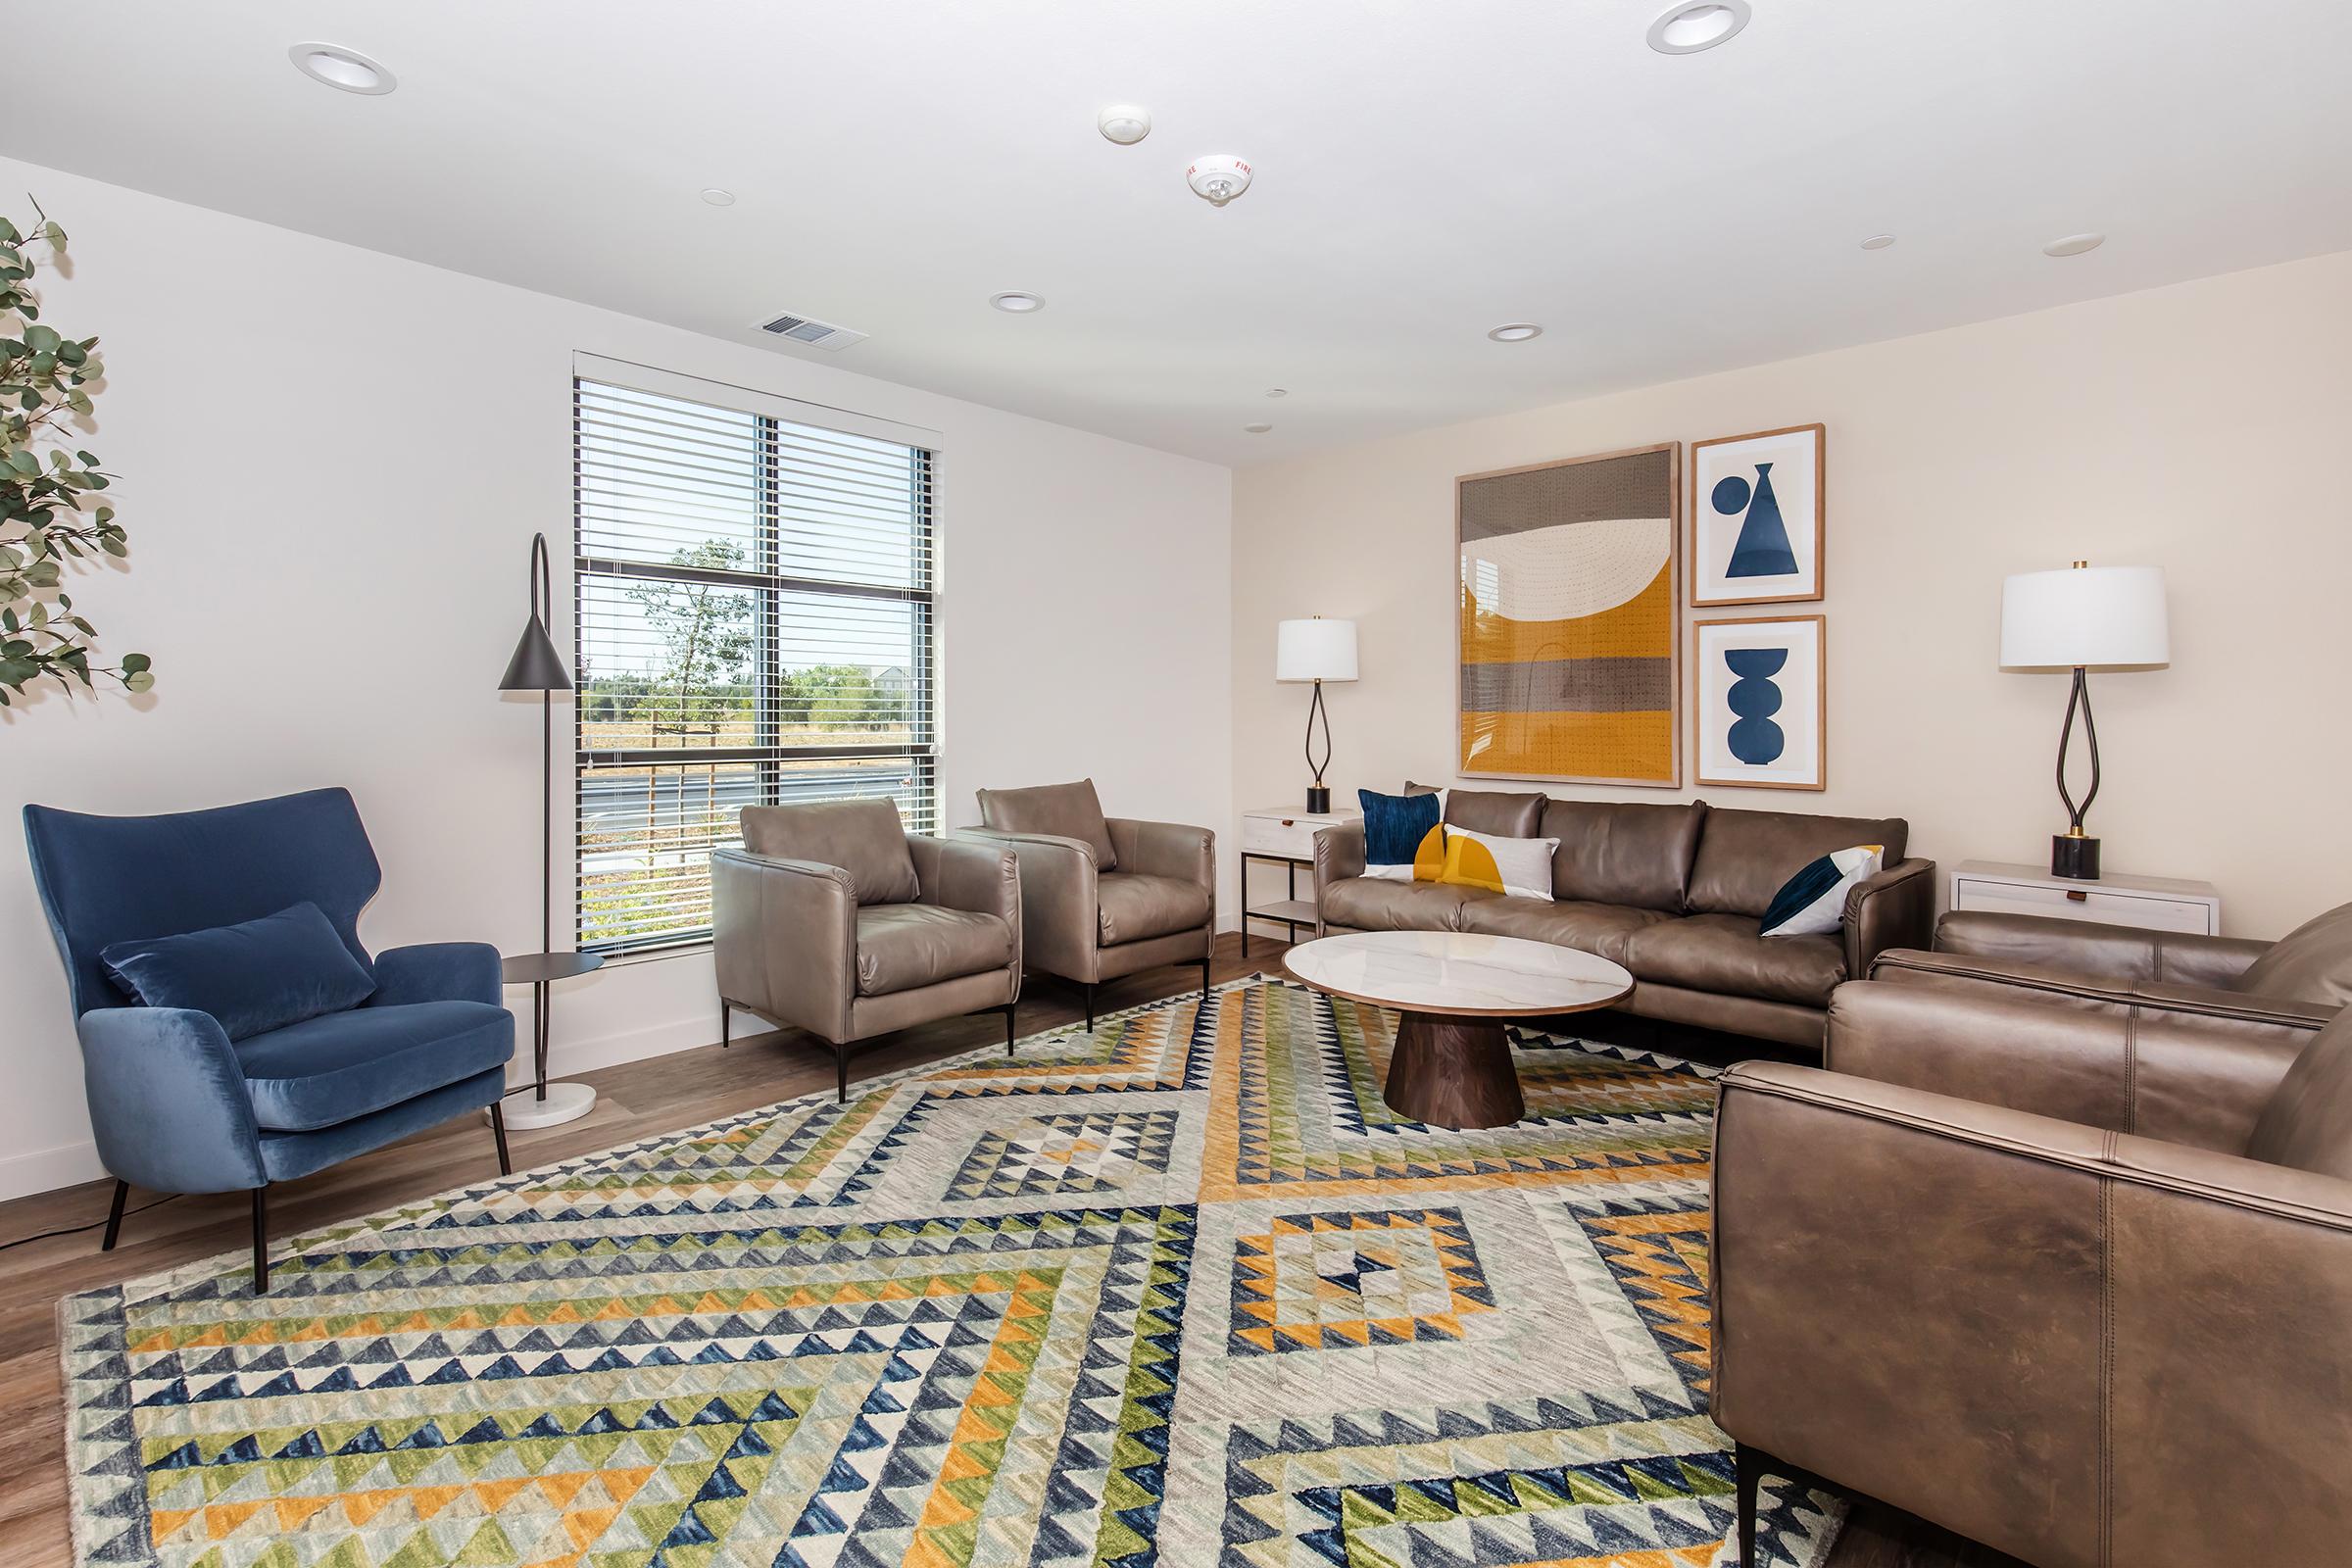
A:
[1675, 893]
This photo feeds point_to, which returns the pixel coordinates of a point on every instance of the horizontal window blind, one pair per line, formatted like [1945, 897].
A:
[755, 624]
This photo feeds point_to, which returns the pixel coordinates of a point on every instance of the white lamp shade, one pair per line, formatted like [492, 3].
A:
[1315, 650]
[2096, 617]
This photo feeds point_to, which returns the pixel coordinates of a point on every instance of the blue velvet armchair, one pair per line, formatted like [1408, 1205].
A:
[180, 1107]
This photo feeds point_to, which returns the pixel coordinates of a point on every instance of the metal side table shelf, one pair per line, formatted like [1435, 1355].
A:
[1274, 836]
[540, 1103]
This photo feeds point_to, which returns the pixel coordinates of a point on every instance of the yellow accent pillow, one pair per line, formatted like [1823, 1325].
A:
[1519, 867]
[1429, 856]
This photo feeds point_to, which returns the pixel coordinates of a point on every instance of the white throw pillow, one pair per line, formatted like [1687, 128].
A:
[1520, 867]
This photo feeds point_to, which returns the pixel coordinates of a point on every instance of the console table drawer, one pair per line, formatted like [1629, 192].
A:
[1291, 837]
[1988, 895]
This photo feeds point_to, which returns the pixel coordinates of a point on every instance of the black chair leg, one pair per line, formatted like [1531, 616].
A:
[114, 1217]
[841, 1073]
[498, 1130]
[1204, 979]
[1090, 1007]
[726, 1023]
[1009, 1008]
[261, 1241]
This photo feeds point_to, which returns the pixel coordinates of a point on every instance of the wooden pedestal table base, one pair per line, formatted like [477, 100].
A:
[1451, 1064]
[1453, 1072]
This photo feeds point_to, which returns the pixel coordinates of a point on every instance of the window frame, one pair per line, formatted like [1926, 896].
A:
[771, 588]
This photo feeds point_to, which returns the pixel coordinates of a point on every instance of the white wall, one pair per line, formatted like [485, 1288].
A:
[2199, 428]
[331, 463]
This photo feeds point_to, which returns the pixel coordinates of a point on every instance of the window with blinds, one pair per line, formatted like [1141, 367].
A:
[755, 624]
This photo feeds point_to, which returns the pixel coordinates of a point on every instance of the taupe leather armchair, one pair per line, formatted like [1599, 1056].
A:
[2222, 987]
[1104, 897]
[834, 919]
[2072, 1293]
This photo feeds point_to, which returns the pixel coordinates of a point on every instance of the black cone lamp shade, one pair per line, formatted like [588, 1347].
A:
[537, 667]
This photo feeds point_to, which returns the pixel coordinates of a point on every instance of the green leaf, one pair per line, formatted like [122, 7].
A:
[133, 664]
[42, 339]
[139, 681]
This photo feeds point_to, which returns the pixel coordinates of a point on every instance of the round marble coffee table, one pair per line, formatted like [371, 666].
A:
[1452, 1066]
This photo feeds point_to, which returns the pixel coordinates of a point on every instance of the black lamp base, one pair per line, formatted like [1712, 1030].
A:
[2072, 854]
[1318, 798]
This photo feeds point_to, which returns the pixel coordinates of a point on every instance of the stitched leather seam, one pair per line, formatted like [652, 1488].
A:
[2107, 1361]
[2131, 1071]
[1898, 959]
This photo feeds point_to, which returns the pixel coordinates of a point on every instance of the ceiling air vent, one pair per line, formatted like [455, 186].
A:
[817, 335]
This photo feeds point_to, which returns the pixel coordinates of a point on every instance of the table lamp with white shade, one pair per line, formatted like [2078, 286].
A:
[1316, 650]
[2083, 618]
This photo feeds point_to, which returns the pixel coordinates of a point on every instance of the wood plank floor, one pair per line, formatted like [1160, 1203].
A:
[634, 1101]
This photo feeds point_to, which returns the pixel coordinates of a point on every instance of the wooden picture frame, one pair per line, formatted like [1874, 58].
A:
[1713, 718]
[1587, 552]
[1725, 511]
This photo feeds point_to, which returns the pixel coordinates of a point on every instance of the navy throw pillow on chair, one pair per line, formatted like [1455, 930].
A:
[252, 977]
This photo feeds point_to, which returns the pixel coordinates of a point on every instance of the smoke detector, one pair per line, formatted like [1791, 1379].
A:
[1218, 178]
[817, 334]
[1124, 124]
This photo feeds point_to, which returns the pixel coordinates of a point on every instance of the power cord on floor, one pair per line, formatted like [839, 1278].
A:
[94, 1225]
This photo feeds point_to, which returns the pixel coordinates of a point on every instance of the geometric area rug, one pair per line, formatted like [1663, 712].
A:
[1181, 1291]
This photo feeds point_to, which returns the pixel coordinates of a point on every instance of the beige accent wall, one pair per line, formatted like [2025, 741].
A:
[2202, 428]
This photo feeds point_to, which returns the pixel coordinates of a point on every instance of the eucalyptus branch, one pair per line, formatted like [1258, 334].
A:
[47, 378]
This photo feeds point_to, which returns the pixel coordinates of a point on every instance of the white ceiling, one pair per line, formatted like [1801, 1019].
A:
[1425, 171]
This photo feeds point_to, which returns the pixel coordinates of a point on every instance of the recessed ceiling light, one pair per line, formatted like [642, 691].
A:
[2073, 244]
[1515, 331]
[717, 197]
[1688, 29]
[1877, 242]
[1018, 303]
[1124, 124]
[1258, 427]
[1278, 391]
[344, 68]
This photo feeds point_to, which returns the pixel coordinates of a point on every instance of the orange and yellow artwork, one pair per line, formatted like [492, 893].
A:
[1569, 619]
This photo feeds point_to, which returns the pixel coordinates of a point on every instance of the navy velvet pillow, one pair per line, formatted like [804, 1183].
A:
[254, 977]
[1396, 830]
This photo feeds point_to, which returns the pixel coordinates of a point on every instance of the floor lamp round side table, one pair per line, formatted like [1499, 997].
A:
[540, 1103]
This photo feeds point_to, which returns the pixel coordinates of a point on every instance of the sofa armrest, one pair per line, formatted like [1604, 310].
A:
[1060, 908]
[1895, 908]
[2090, 949]
[2066, 988]
[967, 875]
[437, 971]
[784, 934]
[1174, 849]
[2178, 1077]
[168, 1101]
[1339, 856]
[2078, 1315]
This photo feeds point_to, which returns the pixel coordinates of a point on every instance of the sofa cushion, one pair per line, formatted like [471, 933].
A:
[1744, 858]
[1505, 812]
[1130, 906]
[1060, 811]
[252, 977]
[2312, 962]
[1368, 903]
[1725, 953]
[901, 946]
[331, 1069]
[2307, 1122]
[1619, 853]
[1601, 929]
[864, 838]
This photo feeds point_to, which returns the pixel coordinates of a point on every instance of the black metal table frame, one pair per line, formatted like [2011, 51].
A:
[1291, 863]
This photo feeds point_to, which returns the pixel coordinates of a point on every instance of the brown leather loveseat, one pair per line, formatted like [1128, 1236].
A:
[1676, 893]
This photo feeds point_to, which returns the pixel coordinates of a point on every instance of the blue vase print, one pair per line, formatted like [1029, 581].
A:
[1754, 739]
[1762, 549]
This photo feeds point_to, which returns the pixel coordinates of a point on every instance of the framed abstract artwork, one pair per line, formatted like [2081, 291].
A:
[1760, 696]
[1756, 517]
[1570, 581]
